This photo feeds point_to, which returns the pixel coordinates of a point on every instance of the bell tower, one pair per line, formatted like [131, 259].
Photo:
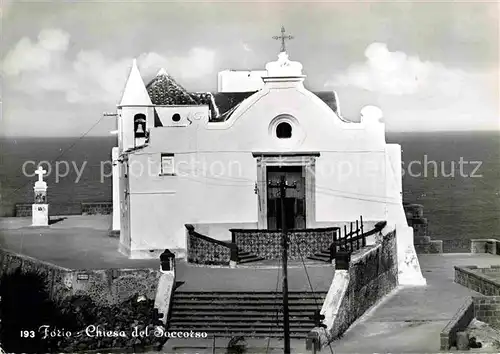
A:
[135, 112]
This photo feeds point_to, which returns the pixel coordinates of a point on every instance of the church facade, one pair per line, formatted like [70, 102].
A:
[207, 159]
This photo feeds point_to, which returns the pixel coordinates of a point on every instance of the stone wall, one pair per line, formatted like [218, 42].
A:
[372, 274]
[56, 276]
[491, 246]
[482, 308]
[458, 323]
[105, 287]
[24, 209]
[202, 249]
[457, 246]
[421, 238]
[478, 279]
[267, 244]
[99, 208]
[487, 309]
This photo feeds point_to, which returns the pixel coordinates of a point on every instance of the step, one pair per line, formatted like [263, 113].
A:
[243, 303]
[265, 325]
[256, 294]
[246, 299]
[254, 335]
[222, 300]
[246, 255]
[320, 258]
[267, 330]
[228, 314]
[242, 319]
[250, 259]
[261, 309]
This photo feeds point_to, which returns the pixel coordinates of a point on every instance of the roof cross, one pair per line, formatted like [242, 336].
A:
[40, 172]
[282, 38]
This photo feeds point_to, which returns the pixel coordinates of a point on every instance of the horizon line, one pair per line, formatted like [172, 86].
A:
[115, 137]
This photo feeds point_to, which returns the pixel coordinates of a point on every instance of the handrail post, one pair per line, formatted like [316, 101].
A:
[333, 251]
[363, 241]
[357, 234]
[345, 237]
[350, 237]
[234, 257]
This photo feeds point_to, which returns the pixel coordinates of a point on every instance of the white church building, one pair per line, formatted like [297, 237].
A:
[206, 159]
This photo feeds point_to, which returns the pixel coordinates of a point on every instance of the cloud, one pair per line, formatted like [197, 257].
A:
[396, 73]
[29, 56]
[44, 66]
[199, 62]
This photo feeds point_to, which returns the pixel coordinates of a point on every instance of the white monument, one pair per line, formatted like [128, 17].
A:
[40, 209]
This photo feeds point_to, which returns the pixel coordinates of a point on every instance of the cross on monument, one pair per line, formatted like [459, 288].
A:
[40, 172]
[282, 38]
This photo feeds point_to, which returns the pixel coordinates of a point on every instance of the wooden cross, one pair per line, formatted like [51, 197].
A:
[282, 38]
[40, 172]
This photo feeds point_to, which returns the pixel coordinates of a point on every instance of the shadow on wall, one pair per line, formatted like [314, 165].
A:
[26, 307]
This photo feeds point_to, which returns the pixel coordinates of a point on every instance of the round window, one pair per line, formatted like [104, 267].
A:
[284, 130]
[176, 117]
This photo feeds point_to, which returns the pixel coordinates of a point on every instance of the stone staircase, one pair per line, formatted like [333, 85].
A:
[247, 314]
[247, 257]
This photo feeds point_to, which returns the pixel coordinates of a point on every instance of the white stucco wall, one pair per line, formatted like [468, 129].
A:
[240, 80]
[115, 153]
[216, 171]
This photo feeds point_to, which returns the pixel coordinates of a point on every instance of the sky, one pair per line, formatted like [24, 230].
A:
[429, 66]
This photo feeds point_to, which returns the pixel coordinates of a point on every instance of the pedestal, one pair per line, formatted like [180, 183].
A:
[40, 215]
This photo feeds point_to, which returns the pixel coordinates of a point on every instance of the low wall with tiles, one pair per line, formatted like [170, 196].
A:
[267, 243]
[479, 279]
[105, 287]
[202, 249]
[372, 274]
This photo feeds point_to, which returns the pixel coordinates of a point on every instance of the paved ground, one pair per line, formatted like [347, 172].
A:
[77, 242]
[410, 320]
[256, 279]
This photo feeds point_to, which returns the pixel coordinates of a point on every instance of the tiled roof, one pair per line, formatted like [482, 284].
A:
[329, 98]
[164, 90]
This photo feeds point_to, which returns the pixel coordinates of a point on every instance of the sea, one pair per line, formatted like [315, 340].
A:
[454, 175]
